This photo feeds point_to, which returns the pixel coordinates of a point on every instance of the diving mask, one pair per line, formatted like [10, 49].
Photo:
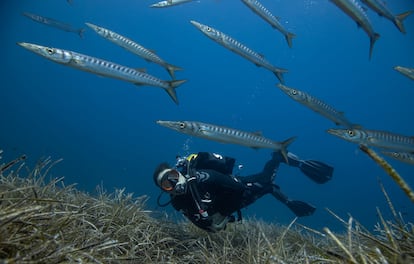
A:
[172, 181]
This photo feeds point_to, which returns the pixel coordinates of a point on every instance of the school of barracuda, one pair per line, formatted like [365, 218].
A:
[392, 144]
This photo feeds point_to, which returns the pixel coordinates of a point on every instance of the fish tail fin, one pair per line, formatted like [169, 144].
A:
[81, 32]
[289, 36]
[171, 69]
[372, 42]
[398, 20]
[278, 73]
[172, 85]
[284, 146]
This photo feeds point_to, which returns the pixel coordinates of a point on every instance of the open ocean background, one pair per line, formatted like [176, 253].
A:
[105, 130]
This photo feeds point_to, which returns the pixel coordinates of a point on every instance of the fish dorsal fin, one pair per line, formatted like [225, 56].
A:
[261, 55]
[258, 133]
[152, 51]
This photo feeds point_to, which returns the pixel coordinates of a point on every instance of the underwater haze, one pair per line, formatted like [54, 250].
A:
[105, 129]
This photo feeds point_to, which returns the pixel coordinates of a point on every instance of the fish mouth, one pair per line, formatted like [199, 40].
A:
[160, 122]
[23, 44]
[164, 123]
[32, 47]
[92, 26]
[335, 132]
[195, 23]
[332, 131]
[174, 125]
[282, 87]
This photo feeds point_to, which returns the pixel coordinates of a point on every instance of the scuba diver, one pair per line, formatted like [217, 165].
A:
[203, 188]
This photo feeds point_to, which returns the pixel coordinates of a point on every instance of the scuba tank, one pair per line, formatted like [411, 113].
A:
[206, 161]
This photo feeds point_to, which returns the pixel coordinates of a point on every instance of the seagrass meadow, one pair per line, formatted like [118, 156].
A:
[43, 220]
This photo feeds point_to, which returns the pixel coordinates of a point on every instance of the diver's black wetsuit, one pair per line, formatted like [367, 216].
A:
[225, 194]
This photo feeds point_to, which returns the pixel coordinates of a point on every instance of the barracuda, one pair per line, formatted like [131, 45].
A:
[265, 14]
[382, 10]
[103, 68]
[54, 23]
[406, 157]
[168, 3]
[238, 48]
[133, 47]
[408, 72]
[354, 10]
[318, 106]
[227, 135]
[376, 138]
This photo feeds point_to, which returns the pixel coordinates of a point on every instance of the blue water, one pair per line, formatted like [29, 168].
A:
[105, 129]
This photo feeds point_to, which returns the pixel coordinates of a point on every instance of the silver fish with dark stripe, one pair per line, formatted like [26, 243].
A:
[103, 68]
[54, 23]
[318, 106]
[353, 9]
[265, 14]
[376, 138]
[238, 48]
[227, 135]
[133, 47]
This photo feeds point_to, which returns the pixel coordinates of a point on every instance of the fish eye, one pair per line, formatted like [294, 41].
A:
[182, 125]
[294, 92]
[50, 50]
[351, 133]
[208, 29]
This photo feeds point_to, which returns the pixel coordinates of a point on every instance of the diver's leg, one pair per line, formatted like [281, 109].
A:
[259, 184]
[268, 173]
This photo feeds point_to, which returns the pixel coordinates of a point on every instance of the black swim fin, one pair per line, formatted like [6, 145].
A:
[300, 208]
[317, 171]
